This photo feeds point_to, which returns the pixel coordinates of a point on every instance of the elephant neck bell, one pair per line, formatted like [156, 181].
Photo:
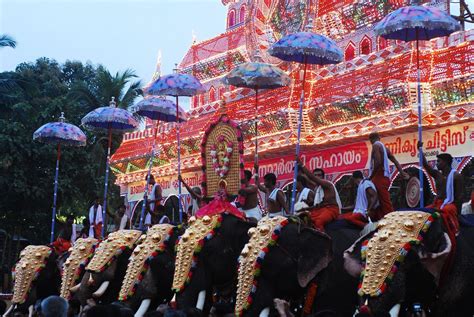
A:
[32, 260]
[112, 247]
[387, 247]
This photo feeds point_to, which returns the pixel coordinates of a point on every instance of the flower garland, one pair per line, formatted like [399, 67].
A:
[402, 254]
[239, 308]
[196, 252]
[222, 171]
[141, 274]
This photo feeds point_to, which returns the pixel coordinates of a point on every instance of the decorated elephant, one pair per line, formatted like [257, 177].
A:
[74, 266]
[105, 272]
[410, 264]
[150, 270]
[206, 261]
[287, 259]
[36, 276]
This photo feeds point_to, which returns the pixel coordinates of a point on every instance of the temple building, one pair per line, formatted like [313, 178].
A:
[373, 89]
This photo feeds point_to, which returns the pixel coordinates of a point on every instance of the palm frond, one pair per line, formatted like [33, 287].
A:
[6, 40]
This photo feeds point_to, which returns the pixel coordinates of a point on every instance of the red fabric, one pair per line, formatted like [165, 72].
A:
[382, 184]
[356, 218]
[449, 214]
[98, 231]
[219, 206]
[323, 215]
[61, 245]
[472, 200]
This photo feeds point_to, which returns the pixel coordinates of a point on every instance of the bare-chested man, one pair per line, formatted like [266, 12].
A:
[250, 192]
[276, 202]
[380, 174]
[327, 204]
[449, 188]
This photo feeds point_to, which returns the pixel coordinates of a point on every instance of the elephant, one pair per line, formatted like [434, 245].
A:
[299, 258]
[149, 276]
[105, 272]
[36, 276]
[419, 277]
[206, 261]
[74, 265]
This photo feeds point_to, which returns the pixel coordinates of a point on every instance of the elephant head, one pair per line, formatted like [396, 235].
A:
[74, 266]
[150, 269]
[279, 261]
[400, 262]
[206, 260]
[106, 269]
[37, 276]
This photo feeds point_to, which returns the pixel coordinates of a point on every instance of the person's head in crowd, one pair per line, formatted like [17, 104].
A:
[269, 180]
[86, 223]
[197, 190]
[152, 180]
[54, 306]
[444, 161]
[70, 219]
[96, 201]
[121, 210]
[374, 137]
[319, 172]
[357, 176]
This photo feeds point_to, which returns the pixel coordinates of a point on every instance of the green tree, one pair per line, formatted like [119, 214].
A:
[7, 41]
[39, 92]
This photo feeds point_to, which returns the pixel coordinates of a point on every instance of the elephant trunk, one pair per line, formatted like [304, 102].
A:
[145, 304]
[265, 312]
[101, 290]
[201, 300]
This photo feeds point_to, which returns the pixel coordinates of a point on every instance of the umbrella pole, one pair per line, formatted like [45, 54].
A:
[145, 194]
[55, 195]
[256, 126]
[300, 122]
[106, 182]
[420, 126]
[180, 208]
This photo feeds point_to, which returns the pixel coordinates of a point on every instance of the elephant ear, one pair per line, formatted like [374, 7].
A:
[352, 256]
[435, 249]
[315, 255]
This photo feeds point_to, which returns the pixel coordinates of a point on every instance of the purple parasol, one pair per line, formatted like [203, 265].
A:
[415, 23]
[59, 133]
[306, 48]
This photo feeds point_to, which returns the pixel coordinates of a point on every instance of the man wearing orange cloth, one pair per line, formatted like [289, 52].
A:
[449, 190]
[327, 204]
[380, 174]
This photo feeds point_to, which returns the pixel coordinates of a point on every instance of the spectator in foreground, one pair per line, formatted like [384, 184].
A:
[54, 306]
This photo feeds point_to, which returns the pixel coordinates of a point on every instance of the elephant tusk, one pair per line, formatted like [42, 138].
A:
[265, 312]
[172, 302]
[143, 307]
[101, 290]
[395, 310]
[90, 281]
[9, 310]
[31, 310]
[201, 300]
[75, 288]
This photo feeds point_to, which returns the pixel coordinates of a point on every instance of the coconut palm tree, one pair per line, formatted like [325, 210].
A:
[6, 40]
[98, 92]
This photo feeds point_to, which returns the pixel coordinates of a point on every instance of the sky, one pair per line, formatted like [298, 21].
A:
[119, 34]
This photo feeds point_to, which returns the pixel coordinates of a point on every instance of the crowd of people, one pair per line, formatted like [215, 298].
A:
[315, 196]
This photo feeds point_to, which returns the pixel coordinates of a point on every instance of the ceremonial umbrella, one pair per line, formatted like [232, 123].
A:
[306, 48]
[59, 133]
[415, 23]
[161, 110]
[176, 85]
[257, 75]
[113, 120]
